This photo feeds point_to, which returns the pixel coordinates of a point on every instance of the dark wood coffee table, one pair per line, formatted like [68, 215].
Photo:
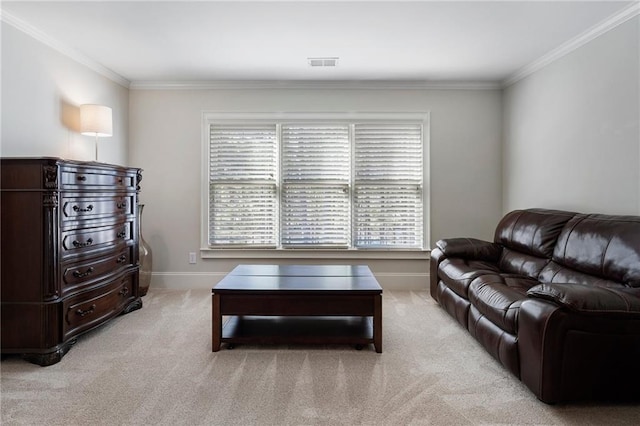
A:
[299, 304]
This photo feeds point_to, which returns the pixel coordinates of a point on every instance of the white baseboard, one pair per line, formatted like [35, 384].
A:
[201, 280]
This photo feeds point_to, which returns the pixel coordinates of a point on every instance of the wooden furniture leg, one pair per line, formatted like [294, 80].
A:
[217, 323]
[377, 323]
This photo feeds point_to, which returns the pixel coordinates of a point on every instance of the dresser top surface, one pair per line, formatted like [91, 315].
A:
[61, 162]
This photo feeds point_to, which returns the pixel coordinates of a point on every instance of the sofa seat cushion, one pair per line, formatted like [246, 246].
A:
[499, 296]
[458, 273]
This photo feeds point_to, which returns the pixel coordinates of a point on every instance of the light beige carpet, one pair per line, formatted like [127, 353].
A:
[155, 366]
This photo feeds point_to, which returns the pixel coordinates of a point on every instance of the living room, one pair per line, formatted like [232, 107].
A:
[559, 129]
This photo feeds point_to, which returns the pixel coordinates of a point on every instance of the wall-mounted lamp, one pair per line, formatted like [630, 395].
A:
[96, 120]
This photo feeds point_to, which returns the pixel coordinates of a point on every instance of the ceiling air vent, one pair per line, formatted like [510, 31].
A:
[322, 62]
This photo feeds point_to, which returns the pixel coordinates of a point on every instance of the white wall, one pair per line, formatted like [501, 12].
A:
[571, 138]
[41, 92]
[166, 126]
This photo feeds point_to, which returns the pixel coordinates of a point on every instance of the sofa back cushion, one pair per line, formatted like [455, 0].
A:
[602, 246]
[554, 273]
[515, 262]
[532, 231]
[528, 238]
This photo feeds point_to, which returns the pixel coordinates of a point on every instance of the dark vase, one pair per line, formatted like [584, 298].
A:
[144, 256]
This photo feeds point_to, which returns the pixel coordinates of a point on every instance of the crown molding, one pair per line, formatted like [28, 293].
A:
[573, 44]
[44, 38]
[315, 84]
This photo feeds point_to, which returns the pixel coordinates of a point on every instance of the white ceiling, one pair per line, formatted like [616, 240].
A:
[454, 41]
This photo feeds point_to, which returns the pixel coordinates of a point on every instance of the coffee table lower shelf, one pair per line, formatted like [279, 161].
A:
[276, 330]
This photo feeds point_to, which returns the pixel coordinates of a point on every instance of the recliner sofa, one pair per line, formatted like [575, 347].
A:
[555, 298]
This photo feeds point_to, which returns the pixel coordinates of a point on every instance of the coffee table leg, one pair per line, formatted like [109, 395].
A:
[217, 322]
[377, 323]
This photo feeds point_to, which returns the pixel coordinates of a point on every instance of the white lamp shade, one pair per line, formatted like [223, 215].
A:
[96, 120]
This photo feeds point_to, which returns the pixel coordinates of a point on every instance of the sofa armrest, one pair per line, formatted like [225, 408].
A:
[465, 248]
[588, 299]
[470, 248]
[568, 355]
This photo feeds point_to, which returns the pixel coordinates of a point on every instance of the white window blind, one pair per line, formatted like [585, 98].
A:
[242, 185]
[388, 186]
[316, 174]
[306, 183]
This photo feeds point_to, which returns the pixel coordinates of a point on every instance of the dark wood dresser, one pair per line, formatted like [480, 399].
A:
[69, 255]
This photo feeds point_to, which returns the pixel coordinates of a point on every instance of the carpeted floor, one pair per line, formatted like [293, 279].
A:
[155, 366]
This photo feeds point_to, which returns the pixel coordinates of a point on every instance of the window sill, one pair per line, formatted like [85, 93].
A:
[207, 253]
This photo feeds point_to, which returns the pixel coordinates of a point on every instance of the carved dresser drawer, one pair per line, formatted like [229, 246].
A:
[86, 241]
[85, 311]
[69, 251]
[75, 208]
[80, 274]
[77, 176]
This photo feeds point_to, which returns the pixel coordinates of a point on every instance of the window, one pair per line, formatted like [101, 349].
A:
[388, 186]
[315, 182]
[243, 191]
[316, 171]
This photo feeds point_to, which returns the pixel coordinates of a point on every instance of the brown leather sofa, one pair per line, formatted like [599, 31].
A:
[555, 298]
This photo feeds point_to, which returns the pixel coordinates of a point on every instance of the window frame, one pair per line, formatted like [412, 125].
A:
[213, 117]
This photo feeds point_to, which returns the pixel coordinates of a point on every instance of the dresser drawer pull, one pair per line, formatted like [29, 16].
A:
[77, 243]
[122, 205]
[124, 291]
[86, 209]
[82, 178]
[86, 273]
[87, 312]
[120, 180]
[122, 259]
[122, 234]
